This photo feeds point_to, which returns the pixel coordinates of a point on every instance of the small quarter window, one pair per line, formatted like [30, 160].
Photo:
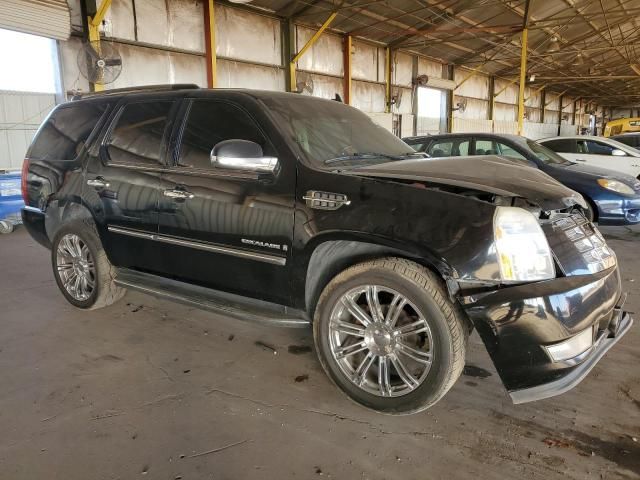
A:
[65, 132]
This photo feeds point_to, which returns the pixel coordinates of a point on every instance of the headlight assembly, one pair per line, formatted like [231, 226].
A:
[521, 246]
[615, 186]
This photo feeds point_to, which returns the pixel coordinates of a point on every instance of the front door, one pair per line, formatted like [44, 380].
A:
[600, 154]
[123, 178]
[225, 228]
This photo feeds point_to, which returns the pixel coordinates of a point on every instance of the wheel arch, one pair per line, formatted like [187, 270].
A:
[326, 257]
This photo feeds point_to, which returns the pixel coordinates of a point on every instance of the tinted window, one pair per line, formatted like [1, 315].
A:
[210, 122]
[564, 145]
[631, 140]
[594, 148]
[138, 135]
[67, 129]
[486, 147]
[450, 147]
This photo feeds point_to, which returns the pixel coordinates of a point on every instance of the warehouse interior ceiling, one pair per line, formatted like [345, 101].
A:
[584, 48]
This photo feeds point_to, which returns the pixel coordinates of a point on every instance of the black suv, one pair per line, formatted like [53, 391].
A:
[294, 210]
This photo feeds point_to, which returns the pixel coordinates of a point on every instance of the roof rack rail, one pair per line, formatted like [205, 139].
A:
[142, 89]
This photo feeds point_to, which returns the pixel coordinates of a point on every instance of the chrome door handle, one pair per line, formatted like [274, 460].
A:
[580, 160]
[178, 194]
[98, 183]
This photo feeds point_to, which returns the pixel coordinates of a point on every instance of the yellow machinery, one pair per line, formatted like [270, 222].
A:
[622, 125]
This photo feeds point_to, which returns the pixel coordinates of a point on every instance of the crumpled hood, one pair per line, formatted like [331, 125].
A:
[488, 173]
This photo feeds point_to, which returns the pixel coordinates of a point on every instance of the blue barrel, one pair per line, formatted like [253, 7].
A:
[10, 201]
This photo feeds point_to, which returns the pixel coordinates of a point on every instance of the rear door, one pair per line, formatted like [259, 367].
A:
[222, 228]
[122, 181]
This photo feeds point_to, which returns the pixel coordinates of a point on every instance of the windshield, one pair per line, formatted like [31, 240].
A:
[332, 135]
[546, 155]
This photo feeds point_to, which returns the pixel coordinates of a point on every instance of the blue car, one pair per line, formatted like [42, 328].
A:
[614, 198]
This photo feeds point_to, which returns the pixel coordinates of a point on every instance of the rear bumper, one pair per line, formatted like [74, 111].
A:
[519, 323]
[33, 220]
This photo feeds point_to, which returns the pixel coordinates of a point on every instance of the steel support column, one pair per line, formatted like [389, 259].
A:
[387, 80]
[523, 79]
[347, 53]
[93, 32]
[210, 43]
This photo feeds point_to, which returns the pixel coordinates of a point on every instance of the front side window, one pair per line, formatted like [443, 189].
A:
[507, 151]
[596, 148]
[563, 145]
[210, 122]
[65, 132]
[139, 133]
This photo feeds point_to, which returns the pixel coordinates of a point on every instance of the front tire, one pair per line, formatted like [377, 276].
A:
[389, 337]
[81, 267]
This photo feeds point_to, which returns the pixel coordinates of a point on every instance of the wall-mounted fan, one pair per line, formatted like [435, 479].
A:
[304, 83]
[99, 62]
[461, 105]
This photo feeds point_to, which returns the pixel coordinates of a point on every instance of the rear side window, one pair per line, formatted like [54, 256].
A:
[631, 140]
[449, 148]
[138, 135]
[66, 130]
[561, 145]
[210, 122]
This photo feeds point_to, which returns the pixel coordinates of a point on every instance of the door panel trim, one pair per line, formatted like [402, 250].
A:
[209, 247]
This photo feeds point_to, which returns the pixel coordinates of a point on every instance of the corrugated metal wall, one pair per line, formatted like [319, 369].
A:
[20, 116]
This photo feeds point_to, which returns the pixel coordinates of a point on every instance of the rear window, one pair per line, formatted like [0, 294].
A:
[66, 130]
[631, 140]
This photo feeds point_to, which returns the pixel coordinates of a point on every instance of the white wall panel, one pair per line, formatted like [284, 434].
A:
[462, 125]
[71, 78]
[536, 131]
[148, 66]
[119, 19]
[325, 87]
[402, 73]
[406, 101]
[568, 130]
[551, 116]
[247, 36]
[364, 61]
[324, 56]
[475, 86]
[505, 126]
[242, 75]
[510, 93]
[368, 97]
[21, 114]
[476, 109]
[174, 23]
[552, 101]
[429, 67]
[505, 112]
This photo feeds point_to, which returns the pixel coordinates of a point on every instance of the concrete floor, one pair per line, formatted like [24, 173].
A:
[153, 389]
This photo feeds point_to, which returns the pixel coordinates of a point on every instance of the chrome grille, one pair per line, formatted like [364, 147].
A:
[587, 240]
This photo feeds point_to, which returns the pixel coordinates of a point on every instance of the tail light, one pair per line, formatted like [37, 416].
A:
[23, 181]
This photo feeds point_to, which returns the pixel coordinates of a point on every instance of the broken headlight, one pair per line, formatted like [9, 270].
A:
[521, 246]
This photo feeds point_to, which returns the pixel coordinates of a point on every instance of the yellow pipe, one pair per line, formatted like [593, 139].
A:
[387, 80]
[523, 77]
[212, 43]
[309, 44]
[93, 24]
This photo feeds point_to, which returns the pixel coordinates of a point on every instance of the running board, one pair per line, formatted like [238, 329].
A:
[235, 306]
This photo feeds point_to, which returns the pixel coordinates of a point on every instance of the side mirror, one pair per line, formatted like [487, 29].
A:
[619, 153]
[242, 155]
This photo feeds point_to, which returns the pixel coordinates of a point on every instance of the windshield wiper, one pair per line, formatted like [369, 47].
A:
[371, 155]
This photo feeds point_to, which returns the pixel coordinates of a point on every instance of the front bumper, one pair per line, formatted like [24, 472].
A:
[618, 211]
[517, 324]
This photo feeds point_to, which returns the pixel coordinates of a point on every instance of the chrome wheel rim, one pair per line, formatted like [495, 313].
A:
[381, 341]
[75, 267]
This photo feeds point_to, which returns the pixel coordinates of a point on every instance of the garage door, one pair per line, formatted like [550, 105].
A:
[47, 18]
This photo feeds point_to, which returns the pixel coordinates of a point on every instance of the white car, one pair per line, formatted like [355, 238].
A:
[597, 151]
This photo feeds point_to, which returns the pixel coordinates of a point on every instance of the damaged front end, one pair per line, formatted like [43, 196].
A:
[544, 337]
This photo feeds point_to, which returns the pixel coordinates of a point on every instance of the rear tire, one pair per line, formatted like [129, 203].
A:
[396, 366]
[81, 267]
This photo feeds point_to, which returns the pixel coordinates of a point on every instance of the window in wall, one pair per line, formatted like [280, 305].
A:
[28, 65]
[139, 133]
